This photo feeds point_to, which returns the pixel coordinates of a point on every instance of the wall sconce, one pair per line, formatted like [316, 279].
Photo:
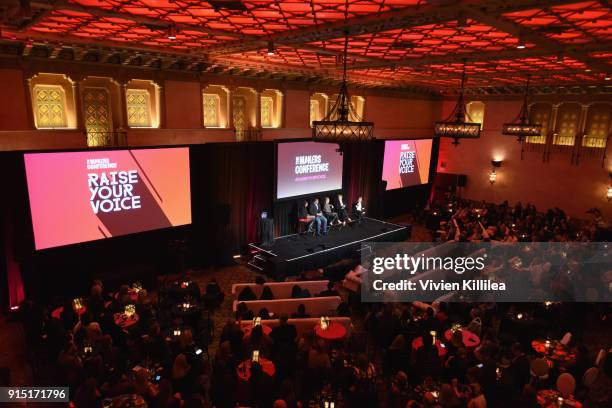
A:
[609, 192]
[493, 175]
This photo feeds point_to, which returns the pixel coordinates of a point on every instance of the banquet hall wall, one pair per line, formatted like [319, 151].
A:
[556, 183]
[396, 115]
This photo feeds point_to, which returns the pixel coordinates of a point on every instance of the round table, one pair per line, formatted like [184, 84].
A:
[246, 330]
[133, 295]
[244, 369]
[334, 331]
[179, 311]
[125, 322]
[551, 399]
[469, 339]
[56, 313]
[556, 351]
[417, 343]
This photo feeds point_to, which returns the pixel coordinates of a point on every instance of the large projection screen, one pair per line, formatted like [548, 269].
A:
[406, 163]
[307, 168]
[90, 195]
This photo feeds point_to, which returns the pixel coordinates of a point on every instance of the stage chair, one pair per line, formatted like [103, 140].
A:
[306, 225]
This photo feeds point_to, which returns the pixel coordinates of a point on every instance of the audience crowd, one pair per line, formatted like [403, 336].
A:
[395, 355]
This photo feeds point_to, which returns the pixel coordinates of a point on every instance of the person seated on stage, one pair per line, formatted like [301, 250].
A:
[359, 209]
[330, 291]
[328, 212]
[301, 312]
[320, 221]
[303, 214]
[342, 213]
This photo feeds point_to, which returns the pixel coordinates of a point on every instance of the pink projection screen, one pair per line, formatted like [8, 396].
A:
[307, 168]
[90, 195]
[406, 163]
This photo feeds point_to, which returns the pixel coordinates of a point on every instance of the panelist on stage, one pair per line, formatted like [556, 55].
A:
[328, 212]
[303, 213]
[342, 213]
[359, 209]
[320, 220]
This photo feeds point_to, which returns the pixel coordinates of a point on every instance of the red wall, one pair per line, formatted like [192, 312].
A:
[13, 109]
[574, 189]
[182, 105]
[181, 112]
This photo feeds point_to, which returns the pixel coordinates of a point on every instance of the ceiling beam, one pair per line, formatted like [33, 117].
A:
[530, 36]
[375, 23]
[100, 12]
[486, 56]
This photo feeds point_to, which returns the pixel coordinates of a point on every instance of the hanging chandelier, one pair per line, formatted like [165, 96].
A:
[341, 128]
[456, 126]
[521, 127]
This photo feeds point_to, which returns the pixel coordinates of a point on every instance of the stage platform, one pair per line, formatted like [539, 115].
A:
[291, 254]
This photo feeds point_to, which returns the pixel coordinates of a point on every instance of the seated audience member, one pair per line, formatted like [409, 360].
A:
[359, 209]
[243, 312]
[298, 293]
[341, 208]
[258, 340]
[247, 294]
[264, 314]
[284, 334]
[213, 297]
[261, 387]
[182, 375]
[95, 302]
[301, 312]
[320, 221]
[329, 213]
[166, 398]
[88, 395]
[330, 291]
[266, 294]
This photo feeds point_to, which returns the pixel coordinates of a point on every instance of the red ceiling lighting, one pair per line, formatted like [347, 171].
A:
[425, 40]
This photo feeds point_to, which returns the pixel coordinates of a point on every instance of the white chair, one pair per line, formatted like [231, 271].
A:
[566, 384]
[590, 376]
[600, 357]
[566, 338]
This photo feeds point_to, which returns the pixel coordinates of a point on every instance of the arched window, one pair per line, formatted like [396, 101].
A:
[270, 105]
[215, 100]
[357, 112]
[53, 103]
[566, 126]
[476, 112]
[101, 109]
[319, 106]
[540, 113]
[599, 118]
[142, 103]
[244, 112]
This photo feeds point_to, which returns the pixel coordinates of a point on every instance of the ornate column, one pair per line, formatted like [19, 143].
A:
[123, 126]
[257, 93]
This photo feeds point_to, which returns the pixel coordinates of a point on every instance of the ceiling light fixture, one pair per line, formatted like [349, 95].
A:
[521, 127]
[458, 128]
[521, 42]
[172, 32]
[343, 123]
